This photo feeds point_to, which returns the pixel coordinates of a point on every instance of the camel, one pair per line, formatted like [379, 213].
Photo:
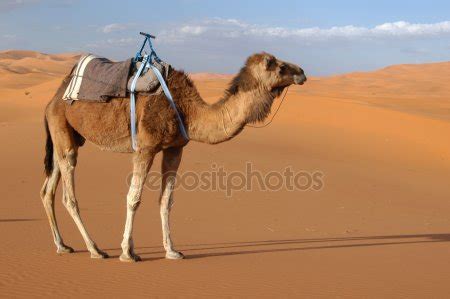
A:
[248, 99]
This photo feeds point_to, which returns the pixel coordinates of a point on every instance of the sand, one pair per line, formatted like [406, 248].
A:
[380, 226]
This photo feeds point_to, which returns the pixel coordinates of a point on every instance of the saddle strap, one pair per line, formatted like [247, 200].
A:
[133, 103]
[170, 99]
[166, 90]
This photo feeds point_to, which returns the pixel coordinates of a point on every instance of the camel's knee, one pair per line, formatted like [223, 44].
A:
[68, 159]
[48, 189]
[133, 202]
[134, 197]
[71, 156]
[48, 202]
[48, 199]
[166, 201]
[70, 204]
[43, 192]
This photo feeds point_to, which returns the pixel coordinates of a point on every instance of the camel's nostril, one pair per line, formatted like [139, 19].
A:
[300, 79]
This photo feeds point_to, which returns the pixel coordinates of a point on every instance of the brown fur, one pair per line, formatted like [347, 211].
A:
[107, 125]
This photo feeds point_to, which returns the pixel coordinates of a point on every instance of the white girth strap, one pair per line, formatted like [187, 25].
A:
[171, 101]
[147, 63]
[133, 103]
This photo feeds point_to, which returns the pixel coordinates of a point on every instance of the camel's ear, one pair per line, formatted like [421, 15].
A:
[270, 62]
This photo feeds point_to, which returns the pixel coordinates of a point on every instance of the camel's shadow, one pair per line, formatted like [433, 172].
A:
[345, 242]
[289, 245]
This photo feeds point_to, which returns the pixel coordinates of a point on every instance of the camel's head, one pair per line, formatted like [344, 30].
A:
[274, 73]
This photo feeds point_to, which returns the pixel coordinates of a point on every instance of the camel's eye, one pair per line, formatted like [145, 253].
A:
[283, 69]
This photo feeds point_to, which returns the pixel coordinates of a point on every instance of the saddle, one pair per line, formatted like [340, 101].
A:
[98, 79]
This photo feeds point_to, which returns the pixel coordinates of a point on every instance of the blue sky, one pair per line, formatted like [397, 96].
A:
[325, 37]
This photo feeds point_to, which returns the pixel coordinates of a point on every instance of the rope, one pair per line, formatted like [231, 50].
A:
[273, 116]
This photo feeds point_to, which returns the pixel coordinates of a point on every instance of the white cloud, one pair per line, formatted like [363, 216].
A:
[113, 42]
[231, 28]
[122, 41]
[194, 30]
[113, 27]
[408, 29]
[220, 45]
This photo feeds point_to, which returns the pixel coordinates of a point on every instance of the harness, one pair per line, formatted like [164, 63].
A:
[147, 61]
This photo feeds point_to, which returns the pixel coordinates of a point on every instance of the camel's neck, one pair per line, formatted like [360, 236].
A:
[245, 101]
[225, 119]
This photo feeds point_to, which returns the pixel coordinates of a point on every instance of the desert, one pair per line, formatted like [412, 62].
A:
[378, 227]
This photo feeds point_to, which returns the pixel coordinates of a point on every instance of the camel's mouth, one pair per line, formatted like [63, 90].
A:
[300, 79]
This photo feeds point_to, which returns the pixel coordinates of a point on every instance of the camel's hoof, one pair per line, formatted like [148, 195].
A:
[174, 255]
[133, 258]
[99, 255]
[64, 249]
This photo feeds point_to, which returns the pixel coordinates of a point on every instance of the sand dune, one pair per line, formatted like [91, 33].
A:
[380, 227]
[421, 89]
[22, 69]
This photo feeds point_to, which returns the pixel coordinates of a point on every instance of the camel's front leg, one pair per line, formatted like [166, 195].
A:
[141, 165]
[170, 163]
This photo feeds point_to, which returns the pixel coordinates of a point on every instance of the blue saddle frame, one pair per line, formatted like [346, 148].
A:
[147, 61]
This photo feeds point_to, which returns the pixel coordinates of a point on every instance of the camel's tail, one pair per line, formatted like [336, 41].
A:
[48, 160]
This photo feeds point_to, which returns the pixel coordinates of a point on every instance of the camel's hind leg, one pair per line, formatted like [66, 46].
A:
[67, 164]
[48, 199]
[66, 151]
